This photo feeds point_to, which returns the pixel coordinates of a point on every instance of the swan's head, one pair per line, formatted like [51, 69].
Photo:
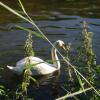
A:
[61, 44]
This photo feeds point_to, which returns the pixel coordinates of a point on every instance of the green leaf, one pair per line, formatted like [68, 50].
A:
[30, 66]
[34, 80]
[32, 32]
[2, 92]
[98, 69]
[2, 87]
[80, 81]
[24, 86]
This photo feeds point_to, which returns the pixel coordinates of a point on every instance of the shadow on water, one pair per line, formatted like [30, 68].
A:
[48, 88]
[58, 19]
[11, 79]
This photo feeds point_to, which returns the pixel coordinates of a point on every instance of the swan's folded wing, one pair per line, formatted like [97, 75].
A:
[43, 68]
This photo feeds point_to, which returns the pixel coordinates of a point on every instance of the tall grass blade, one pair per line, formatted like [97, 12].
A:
[16, 13]
[24, 11]
[69, 93]
[73, 94]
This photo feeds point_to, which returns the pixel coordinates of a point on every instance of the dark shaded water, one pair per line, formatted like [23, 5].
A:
[58, 19]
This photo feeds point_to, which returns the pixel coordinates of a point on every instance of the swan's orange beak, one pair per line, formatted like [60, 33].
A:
[63, 46]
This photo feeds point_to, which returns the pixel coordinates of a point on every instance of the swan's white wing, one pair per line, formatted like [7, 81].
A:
[43, 69]
[40, 66]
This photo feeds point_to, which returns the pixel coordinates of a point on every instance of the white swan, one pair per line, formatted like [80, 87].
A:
[41, 67]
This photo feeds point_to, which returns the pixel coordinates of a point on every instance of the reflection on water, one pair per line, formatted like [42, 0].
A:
[58, 19]
[48, 87]
[14, 79]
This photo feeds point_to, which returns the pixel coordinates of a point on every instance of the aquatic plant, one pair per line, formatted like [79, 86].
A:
[86, 54]
[28, 46]
[27, 72]
[85, 61]
[87, 50]
[86, 57]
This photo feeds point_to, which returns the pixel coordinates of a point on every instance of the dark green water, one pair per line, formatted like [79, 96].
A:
[58, 19]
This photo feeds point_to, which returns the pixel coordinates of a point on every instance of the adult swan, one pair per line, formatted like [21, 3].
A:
[40, 67]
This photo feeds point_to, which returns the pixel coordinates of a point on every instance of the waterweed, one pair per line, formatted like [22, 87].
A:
[86, 56]
[27, 72]
[28, 46]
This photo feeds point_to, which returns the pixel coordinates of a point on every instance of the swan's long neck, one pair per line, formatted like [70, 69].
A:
[55, 58]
